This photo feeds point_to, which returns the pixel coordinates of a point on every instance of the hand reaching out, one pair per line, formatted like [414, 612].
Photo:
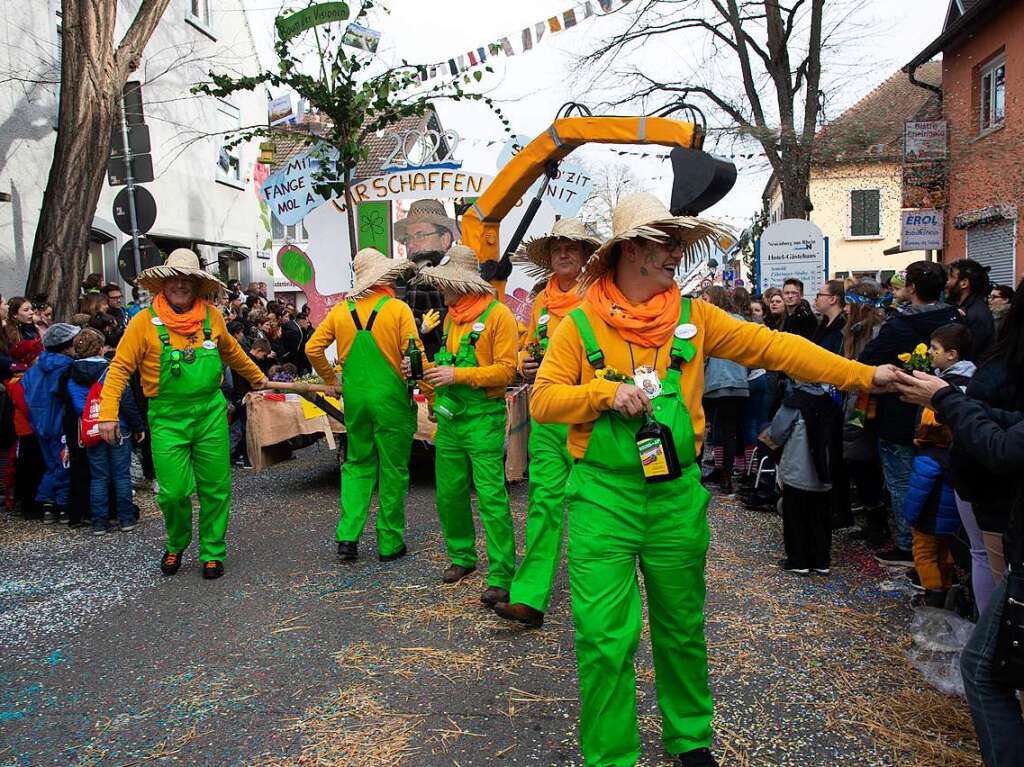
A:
[631, 401]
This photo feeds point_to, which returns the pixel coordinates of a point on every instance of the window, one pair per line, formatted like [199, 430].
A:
[291, 233]
[864, 213]
[199, 10]
[993, 94]
[229, 162]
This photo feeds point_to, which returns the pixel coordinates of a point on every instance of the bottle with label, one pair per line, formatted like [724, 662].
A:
[658, 456]
[415, 360]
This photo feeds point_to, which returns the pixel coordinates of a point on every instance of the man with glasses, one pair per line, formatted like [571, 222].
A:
[115, 306]
[427, 233]
[829, 304]
[799, 317]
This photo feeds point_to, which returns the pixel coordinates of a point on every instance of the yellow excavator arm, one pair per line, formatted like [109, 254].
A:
[481, 221]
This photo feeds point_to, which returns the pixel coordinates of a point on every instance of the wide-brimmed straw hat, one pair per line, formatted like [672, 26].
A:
[181, 263]
[373, 268]
[537, 252]
[644, 216]
[458, 272]
[425, 212]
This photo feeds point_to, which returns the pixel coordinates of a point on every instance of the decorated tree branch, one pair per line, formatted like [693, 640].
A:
[356, 100]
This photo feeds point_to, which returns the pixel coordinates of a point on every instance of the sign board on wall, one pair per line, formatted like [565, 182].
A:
[921, 229]
[566, 193]
[374, 226]
[792, 247]
[924, 140]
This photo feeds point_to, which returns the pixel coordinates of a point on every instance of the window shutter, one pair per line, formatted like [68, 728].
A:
[872, 198]
[856, 213]
[992, 245]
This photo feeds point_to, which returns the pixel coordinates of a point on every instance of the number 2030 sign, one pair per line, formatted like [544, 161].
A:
[413, 150]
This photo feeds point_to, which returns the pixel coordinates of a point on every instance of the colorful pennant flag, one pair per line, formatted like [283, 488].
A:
[538, 30]
[606, 5]
[452, 68]
[481, 54]
[588, 9]
[569, 17]
[506, 46]
[554, 25]
[462, 63]
[527, 39]
[472, 59]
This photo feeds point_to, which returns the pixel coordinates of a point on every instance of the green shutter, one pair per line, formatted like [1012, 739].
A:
[375, 226]
[871, 212]
[856, 213]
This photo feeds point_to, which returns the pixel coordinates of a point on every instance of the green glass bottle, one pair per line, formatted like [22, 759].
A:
[658, 456]
[415, 360]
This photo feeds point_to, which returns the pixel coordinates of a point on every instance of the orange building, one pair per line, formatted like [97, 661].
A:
[982, 48]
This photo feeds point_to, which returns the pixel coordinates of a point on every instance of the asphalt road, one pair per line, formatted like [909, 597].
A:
[295, 659]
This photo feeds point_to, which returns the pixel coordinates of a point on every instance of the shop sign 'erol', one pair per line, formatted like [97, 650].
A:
[324, 13]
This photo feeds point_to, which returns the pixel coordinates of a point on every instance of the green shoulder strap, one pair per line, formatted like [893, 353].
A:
[165, 337]
[482, 320]
[541, 331]
[207, 331]
[683, 349]
[594, 354]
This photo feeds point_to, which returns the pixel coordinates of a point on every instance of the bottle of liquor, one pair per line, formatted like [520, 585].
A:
[658, 456]
[415, 359]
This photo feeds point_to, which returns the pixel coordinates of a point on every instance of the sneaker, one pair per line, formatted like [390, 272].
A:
[62, 517]
[348, 550]
[49, 515]
[127, 528]
[170, 563]
[895, 557]
[822, 570]
[213, 569]
[99, 528]
[700, 757]
[784, 564]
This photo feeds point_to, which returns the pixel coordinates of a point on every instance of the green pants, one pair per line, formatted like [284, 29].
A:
[616, 520]
[376, 450]
[473, 446]
[190, 438]
[550, 464]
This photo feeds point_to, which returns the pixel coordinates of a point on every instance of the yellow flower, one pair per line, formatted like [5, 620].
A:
[905, 357]
[920, 350]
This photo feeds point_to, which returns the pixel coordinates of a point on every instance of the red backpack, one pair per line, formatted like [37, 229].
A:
[89, 425]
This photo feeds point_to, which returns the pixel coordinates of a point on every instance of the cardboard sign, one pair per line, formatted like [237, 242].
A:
[792, 247]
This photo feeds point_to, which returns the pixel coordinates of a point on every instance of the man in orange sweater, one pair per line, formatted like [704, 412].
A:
[636, 497]
[371, 329]
[179, 346]
[473, 367]
[561, 256]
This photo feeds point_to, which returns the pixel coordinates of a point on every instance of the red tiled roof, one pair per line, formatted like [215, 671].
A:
[872, 129]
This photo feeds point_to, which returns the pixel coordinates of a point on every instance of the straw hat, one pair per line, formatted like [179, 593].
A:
[538, 250]
[373, 268]
[425, 212]
[458, 272]
[181, 263]
[644, 216]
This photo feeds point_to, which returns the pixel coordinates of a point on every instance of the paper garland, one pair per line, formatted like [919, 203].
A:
[528, 37]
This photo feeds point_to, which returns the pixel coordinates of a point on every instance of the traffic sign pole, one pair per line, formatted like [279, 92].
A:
[131, 189]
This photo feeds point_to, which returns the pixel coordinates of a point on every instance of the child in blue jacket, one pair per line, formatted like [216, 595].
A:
[929, 505]
[109, 465]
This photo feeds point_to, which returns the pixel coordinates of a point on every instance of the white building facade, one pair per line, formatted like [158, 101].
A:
[205, 191]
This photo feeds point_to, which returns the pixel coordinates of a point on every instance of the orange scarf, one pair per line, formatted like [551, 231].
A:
[557, 301]
[650, 324]
[183, 323]
[469, 307]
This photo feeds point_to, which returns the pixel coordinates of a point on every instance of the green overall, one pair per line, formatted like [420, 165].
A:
[189, 426]
[550, 464]
[615, 518]
[471, 442]
[380, 420]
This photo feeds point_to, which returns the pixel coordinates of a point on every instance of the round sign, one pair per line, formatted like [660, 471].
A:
[543, 319]
[157, 321]
[149, 255]
[145, 210]
[478, 327]
[686, 330]
[209, 345]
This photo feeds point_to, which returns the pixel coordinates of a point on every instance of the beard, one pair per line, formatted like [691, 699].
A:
[427, 258]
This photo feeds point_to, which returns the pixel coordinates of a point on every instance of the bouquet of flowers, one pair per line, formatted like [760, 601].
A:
[611, 374]
[919, 359]
[536, 350]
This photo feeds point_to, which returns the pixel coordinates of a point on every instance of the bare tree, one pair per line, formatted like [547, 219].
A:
[774, 51]
[93, 72]
[610, 183]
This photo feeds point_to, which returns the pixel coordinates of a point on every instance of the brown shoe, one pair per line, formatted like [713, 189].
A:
[456, 573]
[493, 595]
[520, 612]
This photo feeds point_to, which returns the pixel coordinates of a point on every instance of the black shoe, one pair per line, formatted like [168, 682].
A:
[784, 564]
[822, 571]
[714, 476]
[49, 514]
[895, 557]
[126, 528]
[348, 550]
[915, 580]
[701, 757]
[213, 569]
[393, 556]
[456, 573]
[493, 595]
[170, 563]
[930, 598]
[62, 517]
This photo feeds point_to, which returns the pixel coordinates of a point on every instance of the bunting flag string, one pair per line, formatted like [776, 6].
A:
[528, 38]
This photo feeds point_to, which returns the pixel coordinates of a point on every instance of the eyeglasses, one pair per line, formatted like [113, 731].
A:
[824, 295]
[419, 237]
